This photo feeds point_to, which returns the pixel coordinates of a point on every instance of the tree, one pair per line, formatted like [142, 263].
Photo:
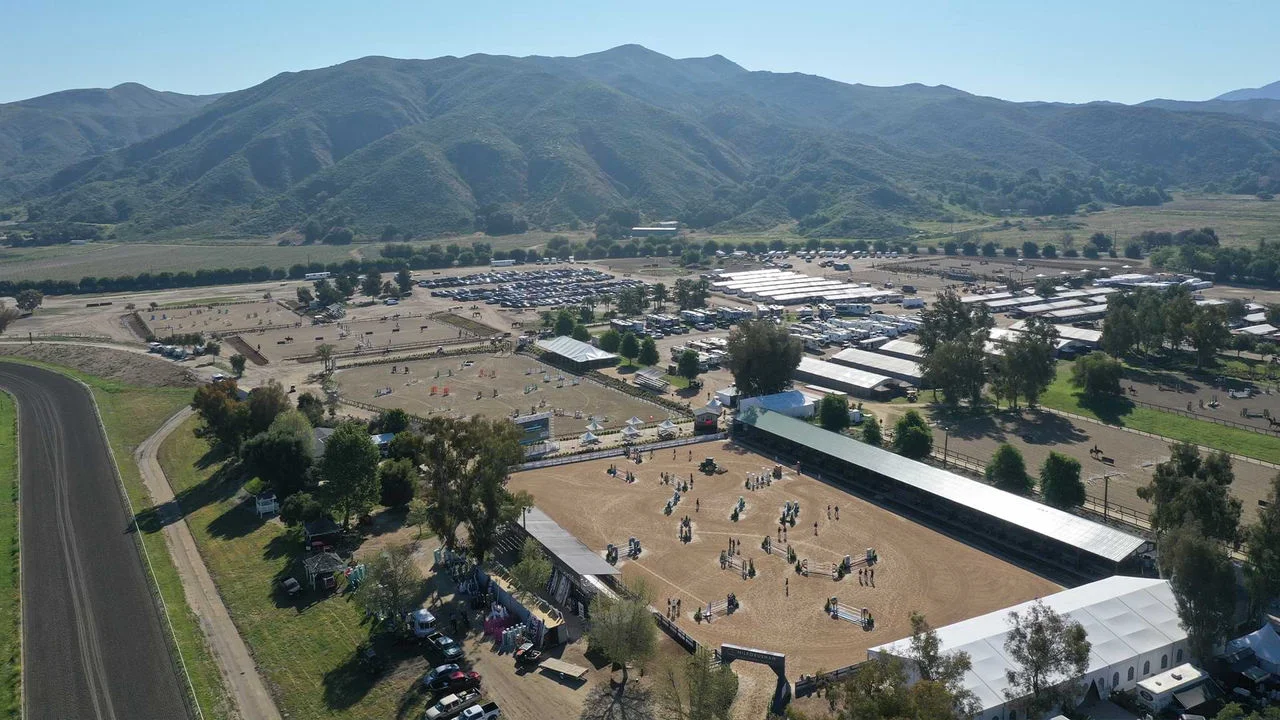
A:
[630, 348]
[1008, 471]
[631, 300]
[28, 300]
[947, 669]
[404, 280]
[1189, 487]
[692, 294]
[1203, 581]
[1027, 367]
[762, 356]
[325, 352]
[300, 507]
[467, 463]
[1051, 653]
[225, 417]
[349, 468]
[393, 585]
[649, 352]
[957, 367]
[1097, 374]
[880, 689]
[237, 364]
[396, 481]
[372, 283]
[871, 431]
[581, 333]
[312, 407]
[833, 412]
[660, 296]
[7, 316]
[305, 297]
[282, 455]
[564, 323]
[688, 366]
[912, 436]
[1060, 482]
[1120, 330]
[699, 689]
[533, 570]
[950, 319]
[1262, 540]
[610, 341]
[1208, 334]
[266, 402]
[623, 630]
[393, 421]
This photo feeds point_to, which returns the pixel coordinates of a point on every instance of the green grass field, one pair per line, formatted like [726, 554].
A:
[10, 593]
[130, 415]
[306, 652]
[1119, 411]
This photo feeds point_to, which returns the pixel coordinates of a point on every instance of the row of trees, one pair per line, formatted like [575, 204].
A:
[954, 337]
[1059, 479]
[1150, 320]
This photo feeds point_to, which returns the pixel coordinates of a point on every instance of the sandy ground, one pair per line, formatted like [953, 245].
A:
[421, 391]
[781, 611]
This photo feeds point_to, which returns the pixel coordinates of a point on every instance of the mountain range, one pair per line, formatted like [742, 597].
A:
[494, 143]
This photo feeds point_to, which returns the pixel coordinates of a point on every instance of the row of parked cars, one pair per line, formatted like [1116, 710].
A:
[455, 691]
[535, 288]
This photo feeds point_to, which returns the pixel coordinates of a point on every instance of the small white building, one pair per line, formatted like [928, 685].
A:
[791, 403]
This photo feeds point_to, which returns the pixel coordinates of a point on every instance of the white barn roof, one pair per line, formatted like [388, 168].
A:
[564, 546]
[574, 350]
[1126, 619]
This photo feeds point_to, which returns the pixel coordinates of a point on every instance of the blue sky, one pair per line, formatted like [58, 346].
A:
[1120, 50]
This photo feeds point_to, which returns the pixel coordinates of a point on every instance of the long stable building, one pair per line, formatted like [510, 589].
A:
[1037, 535]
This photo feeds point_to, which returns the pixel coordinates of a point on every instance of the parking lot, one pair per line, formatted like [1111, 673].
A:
[550, 287]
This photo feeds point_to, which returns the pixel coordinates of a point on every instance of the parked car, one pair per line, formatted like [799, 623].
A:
[445, 645]
[457, 681]
[487, 711]
[437, 676]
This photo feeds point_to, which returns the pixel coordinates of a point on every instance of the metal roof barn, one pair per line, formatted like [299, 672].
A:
[858, 383]
[1044, 521]
[894, 367]
[564, 546]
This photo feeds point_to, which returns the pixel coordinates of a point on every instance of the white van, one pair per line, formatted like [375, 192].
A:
[422, 622]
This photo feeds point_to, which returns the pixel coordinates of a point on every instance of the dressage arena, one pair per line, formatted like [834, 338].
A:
[917, 568]
[521, 383]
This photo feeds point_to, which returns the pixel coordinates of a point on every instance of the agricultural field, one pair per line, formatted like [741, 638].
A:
[781, 610]
[494, 386]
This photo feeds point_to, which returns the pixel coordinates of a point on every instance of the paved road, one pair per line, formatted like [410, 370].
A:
[93, 637]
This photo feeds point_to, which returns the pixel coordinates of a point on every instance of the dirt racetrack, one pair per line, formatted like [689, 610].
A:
[919, 569]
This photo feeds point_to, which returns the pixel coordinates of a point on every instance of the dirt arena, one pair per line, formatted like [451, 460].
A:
[230, 318]
[371, 335]
[509, 375]
[919, 569]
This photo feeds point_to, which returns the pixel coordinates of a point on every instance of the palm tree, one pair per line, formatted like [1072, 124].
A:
[325, 352]
[659, 295]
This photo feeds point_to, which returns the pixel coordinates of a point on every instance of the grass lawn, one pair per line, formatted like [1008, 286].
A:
[306, 649]
[1120, 411]
[678, 382]
[130, 415]
[10, 615]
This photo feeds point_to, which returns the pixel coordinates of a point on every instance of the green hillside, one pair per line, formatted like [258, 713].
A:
[43, 134]
[444, 145]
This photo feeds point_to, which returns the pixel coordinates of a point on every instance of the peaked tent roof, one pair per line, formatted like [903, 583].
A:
[1125, 617]
[574, 350]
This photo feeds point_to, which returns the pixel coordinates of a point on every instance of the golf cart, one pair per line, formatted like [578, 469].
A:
[527, 656]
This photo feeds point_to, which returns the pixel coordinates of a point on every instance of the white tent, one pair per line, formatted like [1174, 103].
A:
[666, 425]
[1131, 622]
[1265, 644]
[715, 404]
[630, 431]
[595, 426]
[587, 438]
[635, 421]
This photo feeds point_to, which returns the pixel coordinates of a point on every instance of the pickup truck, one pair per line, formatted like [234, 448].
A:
[487, 711]
[450, 705]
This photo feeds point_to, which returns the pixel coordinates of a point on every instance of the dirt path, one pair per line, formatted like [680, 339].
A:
[239, 673]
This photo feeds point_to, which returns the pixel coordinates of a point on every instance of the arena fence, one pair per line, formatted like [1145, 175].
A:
[619, 451]
[809, 684]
